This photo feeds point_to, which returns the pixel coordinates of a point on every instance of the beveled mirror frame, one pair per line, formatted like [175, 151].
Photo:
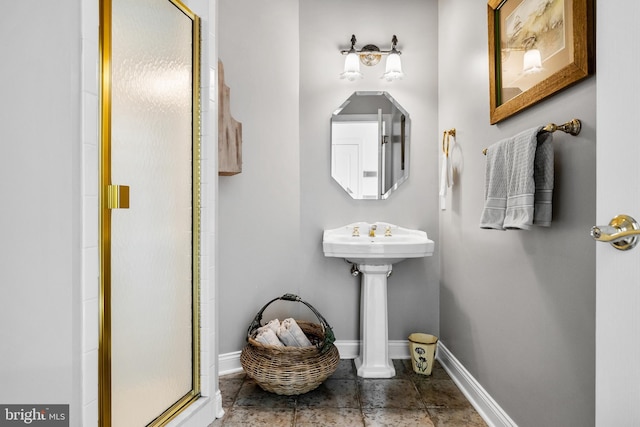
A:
[581, 66]
[402, 137]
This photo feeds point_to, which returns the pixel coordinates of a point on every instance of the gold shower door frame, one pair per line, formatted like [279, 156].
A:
[114, 197]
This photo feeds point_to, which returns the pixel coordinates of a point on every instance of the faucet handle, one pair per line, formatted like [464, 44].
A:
[387, 231]
[356, 231]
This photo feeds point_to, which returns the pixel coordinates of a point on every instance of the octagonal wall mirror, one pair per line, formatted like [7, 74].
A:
[370, 135]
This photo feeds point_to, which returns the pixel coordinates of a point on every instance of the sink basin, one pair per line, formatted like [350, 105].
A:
[402, 243]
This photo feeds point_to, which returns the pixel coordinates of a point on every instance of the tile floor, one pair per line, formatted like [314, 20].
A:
[408, 399]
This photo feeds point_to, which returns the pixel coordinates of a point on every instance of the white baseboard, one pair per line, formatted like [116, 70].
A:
[398, 349]
[488, 409]
[219, 412]
[229, 363]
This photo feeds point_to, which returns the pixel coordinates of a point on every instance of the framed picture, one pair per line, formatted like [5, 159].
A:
[536, 48]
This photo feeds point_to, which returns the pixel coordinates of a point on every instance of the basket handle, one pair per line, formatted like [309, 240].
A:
[329, 337]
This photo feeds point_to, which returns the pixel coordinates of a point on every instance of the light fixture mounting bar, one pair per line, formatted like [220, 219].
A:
[364, 52]
[371, 48]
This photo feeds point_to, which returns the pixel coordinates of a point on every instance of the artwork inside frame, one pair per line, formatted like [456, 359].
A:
[536, 48]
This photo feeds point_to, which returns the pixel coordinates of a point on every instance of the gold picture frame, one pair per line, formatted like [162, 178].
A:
[561, 31]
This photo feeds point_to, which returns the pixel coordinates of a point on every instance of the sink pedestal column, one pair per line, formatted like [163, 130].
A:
[373, 361]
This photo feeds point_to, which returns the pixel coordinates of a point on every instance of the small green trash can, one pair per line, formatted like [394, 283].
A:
[423, 350]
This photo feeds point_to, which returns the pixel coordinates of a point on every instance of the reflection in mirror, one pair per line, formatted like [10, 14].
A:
[370, 135]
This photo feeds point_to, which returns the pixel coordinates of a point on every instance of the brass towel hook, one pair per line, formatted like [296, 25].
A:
[445, 140]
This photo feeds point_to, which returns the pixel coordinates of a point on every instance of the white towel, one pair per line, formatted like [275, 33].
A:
[267, 336]
[274, 325]
[519, 181]
[291, 335]
[443, 182]
[450, 162]
[446, 173]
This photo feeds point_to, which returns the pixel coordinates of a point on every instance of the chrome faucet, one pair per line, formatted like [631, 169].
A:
[372, 230]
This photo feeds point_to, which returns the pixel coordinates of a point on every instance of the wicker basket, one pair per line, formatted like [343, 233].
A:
[291, 370]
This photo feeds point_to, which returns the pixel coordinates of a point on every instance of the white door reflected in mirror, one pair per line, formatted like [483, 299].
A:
[354, 163]
[370, 135]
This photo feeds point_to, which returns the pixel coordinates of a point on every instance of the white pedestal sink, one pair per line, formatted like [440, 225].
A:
[374, 256]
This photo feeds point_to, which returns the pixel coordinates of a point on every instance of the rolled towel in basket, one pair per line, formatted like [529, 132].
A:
[274, 325]
[267, 336]
[291, 335]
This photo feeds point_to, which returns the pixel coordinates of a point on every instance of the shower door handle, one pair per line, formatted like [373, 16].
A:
[622, 232]
[118, 196]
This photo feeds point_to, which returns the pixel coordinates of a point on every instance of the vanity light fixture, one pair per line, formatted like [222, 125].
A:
[370, 55]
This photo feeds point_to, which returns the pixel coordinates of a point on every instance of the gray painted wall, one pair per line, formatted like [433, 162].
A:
[282, 63]
[259, 209]
[40, 225]
[517, 308]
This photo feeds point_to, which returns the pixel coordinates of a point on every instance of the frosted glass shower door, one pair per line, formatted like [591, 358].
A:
[152, 263]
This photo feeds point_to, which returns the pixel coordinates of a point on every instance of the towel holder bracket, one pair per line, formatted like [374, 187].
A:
[572, 127]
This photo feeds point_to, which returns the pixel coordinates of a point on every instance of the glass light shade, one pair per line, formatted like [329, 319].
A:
[393, 69]
[351, 67]
[532, 62]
